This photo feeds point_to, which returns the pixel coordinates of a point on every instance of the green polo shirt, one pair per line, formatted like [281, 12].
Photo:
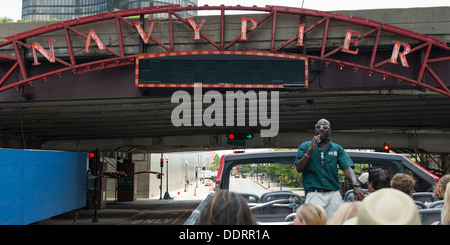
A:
[317, 177]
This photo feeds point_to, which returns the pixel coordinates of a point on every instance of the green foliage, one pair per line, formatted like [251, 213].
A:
[275, 172]
[215, 164]
[5, 20]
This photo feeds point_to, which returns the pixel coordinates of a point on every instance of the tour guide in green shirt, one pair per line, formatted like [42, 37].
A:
[319, 166]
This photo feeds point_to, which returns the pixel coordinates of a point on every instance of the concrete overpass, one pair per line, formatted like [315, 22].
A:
[88, 100]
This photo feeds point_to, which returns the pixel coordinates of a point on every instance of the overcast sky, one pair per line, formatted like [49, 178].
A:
[332, 4]
[13, 8]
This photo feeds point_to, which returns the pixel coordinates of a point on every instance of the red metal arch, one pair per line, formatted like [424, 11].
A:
[120, 58]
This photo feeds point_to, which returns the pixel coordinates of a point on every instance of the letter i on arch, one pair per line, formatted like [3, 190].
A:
[301, 33]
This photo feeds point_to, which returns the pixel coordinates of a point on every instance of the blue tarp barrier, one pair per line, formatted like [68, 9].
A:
[36, 184]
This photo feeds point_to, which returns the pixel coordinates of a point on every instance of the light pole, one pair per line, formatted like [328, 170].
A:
[185, 175]
[196, 170]
[160, 183]
[167, 195]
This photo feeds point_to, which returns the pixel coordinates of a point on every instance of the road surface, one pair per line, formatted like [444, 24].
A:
[246, 185]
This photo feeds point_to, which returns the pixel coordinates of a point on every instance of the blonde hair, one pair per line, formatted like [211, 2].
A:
[445, 213]
[440, 187]
[312, 214]
[345, 212]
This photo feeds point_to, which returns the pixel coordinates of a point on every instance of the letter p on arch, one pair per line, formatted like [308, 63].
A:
[244, 27]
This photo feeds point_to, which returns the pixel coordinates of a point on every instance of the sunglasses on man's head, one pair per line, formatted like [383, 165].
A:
[319, 127]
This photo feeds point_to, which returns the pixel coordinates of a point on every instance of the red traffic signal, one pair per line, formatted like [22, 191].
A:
[91, 155]
[158, 176]
[240, 136]
[386, 147]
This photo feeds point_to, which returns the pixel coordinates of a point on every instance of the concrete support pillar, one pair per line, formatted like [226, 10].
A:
[142, 163]
[127, 187]
[101, 193]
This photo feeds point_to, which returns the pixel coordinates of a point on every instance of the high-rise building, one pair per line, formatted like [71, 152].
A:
[71, 9]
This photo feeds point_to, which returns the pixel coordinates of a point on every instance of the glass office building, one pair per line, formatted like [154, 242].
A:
[71, 9]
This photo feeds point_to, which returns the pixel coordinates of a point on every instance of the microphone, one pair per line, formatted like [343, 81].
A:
[320, 136]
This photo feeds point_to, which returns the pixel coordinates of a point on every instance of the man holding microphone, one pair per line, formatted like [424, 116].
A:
[318, 160]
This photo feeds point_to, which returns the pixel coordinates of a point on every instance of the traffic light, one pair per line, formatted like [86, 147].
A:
[386, 147]
[240, 136]
[158, 176]
[93, 160]
[161, 161]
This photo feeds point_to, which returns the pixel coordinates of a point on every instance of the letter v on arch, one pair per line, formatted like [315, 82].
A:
[145, 36]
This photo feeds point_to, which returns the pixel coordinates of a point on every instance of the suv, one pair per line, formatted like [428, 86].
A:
[272, 187]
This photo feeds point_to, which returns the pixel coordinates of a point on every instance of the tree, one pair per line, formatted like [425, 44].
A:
[5, 20]
[214, 165]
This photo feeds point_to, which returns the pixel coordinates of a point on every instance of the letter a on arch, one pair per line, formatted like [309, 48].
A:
[96, 41]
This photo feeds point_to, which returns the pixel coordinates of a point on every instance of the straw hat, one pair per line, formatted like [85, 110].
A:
[386, 206]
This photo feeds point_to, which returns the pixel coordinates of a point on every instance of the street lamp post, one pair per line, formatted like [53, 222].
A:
[160, 179]
[167, 195]
[185, 175]
[196, 170]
